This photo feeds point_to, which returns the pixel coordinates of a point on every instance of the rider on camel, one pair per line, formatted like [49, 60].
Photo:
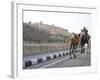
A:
[84, 30]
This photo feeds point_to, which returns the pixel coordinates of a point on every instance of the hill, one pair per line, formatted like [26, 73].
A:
[39, 33]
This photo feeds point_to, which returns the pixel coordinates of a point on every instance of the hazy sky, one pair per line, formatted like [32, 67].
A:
[72, 21]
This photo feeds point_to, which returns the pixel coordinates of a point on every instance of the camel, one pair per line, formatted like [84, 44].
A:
[74, 40]
[84, 39]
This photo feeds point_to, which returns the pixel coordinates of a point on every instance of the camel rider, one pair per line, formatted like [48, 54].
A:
[85, 30]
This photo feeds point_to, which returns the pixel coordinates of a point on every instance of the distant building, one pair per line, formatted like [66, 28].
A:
[52, 29]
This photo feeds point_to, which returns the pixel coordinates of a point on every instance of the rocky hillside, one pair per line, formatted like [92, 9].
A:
[32, 34]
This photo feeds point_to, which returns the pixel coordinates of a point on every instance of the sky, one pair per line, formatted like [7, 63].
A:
[72, 21]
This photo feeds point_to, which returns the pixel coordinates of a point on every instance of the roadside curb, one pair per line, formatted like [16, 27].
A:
[45, 58]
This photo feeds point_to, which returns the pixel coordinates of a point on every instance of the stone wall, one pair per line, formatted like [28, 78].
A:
[42, 48]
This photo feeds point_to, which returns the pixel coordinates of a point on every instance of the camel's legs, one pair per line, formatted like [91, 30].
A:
[74, 52]
[82, 49]
[70, 51]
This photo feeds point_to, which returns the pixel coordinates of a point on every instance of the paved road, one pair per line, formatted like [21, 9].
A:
[81, 60]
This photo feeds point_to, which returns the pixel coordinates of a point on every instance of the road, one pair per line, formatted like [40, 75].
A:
[81, 60]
